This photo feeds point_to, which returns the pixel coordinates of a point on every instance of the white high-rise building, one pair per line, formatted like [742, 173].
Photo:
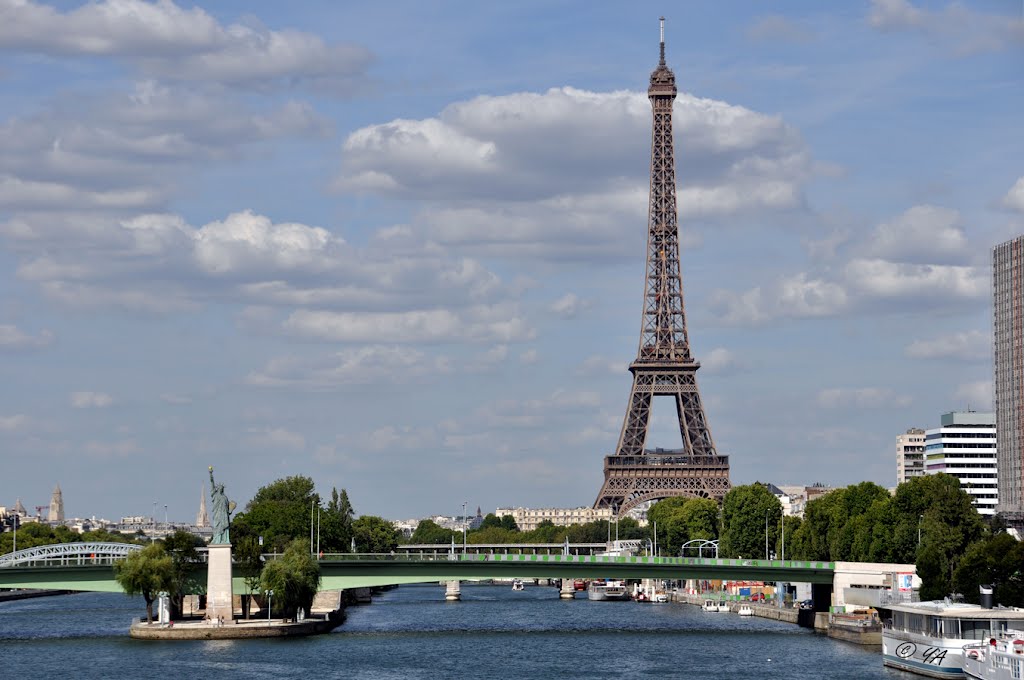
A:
[965, 447]
[909, 455]
[1008, 342]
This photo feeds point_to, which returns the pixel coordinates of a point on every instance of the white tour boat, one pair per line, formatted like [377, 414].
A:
[928, 638]
[518, 585]
[724, 607]
[745, 610]
[998, 658]
[607, 590]
[710, 606]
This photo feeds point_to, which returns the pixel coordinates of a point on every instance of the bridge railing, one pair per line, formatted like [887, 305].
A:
[569, 559]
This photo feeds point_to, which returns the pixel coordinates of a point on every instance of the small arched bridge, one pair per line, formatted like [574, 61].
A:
[68, 554]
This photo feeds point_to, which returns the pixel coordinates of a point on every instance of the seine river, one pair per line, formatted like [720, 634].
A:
[411, 632]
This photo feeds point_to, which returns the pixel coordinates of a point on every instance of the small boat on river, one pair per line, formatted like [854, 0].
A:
[711, 606]
[607, 590]
[745, 610]
[518, 585]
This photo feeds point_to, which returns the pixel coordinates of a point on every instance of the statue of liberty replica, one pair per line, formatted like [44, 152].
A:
[219, 594]
[222, 509]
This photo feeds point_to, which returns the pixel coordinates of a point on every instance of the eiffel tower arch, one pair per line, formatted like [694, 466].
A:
[664, 365]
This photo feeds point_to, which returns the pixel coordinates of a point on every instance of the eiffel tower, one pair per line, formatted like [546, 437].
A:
[664, 365]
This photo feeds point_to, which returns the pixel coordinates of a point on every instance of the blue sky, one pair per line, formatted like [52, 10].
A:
[400, 248]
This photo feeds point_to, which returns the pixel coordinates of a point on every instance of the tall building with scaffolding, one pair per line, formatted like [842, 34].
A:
[1008, 345]
[56, 513]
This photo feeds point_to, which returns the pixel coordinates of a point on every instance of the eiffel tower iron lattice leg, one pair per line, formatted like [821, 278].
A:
[664, 366]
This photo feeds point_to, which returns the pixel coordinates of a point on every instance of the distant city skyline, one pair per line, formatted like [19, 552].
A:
[400, 248]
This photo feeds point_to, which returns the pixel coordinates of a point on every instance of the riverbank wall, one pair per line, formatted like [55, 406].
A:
[11, 595]
[762, 610]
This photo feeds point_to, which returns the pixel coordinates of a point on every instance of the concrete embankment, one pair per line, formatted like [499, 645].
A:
[764, 611]
[189, 630]
[9, 595]
[326, 614]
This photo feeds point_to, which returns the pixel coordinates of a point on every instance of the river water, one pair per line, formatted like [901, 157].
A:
[411, 632]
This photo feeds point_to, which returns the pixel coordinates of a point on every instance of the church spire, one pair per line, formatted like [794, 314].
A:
[202, 518]
[56, 506]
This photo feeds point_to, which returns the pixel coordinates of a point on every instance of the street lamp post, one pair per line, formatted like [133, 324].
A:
[165, 515]
[766, 513]
[464, 504]
[919, 518]
[783, 537]
[270, 595]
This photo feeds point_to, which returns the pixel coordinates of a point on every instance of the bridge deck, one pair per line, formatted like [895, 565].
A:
[362, 570]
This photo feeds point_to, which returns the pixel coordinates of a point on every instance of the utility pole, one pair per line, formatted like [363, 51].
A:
[766, 513]
[464, 523]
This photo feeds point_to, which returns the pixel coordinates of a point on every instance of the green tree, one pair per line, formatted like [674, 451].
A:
[948, 523]
[294, 577]
[509, 522]
[280, 512]
[546, 532]
[145, 572]
[374, 535]
[181, 547]
[336, 523]
[490, 520]
[996, 561]
[248, 554]
[494, 535]
[811, 539]
[746, 510]
[665, 508]
[792, 525]
[429, 532]
[701, 518]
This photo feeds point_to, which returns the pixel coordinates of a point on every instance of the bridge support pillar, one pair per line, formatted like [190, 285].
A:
[453, 591]
[567, 591]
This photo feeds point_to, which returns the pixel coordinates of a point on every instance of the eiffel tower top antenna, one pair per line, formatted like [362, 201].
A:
[661, 62]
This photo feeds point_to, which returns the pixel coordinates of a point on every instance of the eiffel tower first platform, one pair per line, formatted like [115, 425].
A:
[664, 365]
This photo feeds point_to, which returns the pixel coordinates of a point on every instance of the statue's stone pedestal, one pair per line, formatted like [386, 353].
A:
[219, 595]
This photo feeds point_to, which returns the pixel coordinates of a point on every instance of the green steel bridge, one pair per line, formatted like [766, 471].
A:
[88, 567]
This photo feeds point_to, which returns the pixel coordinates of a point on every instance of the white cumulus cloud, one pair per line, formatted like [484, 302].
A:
[91, 399]
[164, 39]
[957, 25]
[923, 234]
[968, 346]
[1014, 199]
[13, 338]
